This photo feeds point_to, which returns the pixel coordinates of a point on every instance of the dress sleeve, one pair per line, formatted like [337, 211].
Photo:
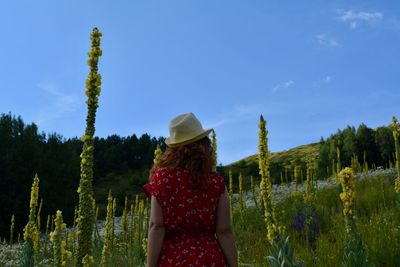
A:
[155, 187]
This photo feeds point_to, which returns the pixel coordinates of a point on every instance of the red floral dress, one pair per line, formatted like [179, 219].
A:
[189, 218]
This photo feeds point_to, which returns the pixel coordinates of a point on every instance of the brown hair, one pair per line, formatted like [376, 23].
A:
[196, 157]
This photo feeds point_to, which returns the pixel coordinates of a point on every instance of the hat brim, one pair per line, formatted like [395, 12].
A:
[169, 143]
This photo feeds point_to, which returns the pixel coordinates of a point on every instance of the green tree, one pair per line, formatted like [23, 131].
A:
[385, 143]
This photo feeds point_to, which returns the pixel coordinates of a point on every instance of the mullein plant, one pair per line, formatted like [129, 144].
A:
[131, 223]
[334, 173]
[85, 190]
[214, 147]
[241, 201]
[125, 220]
[38, 214]
[338, 164]
[12, 229]
[315, 168]
[308, 194]
[253, 193]
[355, 164]
[145, 228]
[5, 250]
[282, 252]
[347, 196]
[286, 175]
[136, 204]
[157, 155]
[266, 185]
[396, 133]
[365, 166]
[105, 255]
[38, 222]
[354, 253]
[31, 233]
[297, 176]
[114, 207]
[96, 234]
[139, 229]
[60, 254]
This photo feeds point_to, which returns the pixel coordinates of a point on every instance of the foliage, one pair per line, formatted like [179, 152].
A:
[282, 254]
[354, 254]
[374, 146]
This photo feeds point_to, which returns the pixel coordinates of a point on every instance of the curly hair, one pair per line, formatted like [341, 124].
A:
[196, 157]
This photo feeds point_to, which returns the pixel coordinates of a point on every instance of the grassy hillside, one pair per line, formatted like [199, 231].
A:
[289, 158]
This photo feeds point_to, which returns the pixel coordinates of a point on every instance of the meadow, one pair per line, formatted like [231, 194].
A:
[316, 230]
[347, 214]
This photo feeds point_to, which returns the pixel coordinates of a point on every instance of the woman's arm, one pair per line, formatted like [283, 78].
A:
[224, 230]
[156, 233]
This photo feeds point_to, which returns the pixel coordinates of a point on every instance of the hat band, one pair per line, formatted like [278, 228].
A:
[174, 143]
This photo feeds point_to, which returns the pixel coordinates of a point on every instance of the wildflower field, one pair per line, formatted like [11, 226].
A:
[342, 216]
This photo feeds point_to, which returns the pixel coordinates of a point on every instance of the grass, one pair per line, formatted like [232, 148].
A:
[319, 242]
[278, 160]
[377, 221]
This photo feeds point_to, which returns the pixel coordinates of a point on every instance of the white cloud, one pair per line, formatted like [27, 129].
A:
[325, 80]
[59, 105]
[323, 39]
[238, 113]
[282, 86]
[356, 18]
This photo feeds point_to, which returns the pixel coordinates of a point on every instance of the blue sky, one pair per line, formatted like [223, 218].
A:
[310, 67]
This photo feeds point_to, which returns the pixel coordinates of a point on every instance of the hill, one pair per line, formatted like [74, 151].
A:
[278, 161]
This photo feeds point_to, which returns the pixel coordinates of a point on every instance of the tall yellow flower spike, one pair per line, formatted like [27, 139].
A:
[31, 233]
[348, 182]
[85, 190]
[157, 155]
[396, 133]
[273, 229]
[105, 255]
[214, 147]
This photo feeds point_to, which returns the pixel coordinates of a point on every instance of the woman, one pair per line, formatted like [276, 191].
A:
[190, 214]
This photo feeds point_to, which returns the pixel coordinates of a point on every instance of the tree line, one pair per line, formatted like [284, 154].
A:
[366, 146]
[24, 151]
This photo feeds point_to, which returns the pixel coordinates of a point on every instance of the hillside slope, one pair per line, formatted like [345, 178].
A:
[278, 161]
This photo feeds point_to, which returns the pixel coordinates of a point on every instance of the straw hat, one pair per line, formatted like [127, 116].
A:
[185, 129]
